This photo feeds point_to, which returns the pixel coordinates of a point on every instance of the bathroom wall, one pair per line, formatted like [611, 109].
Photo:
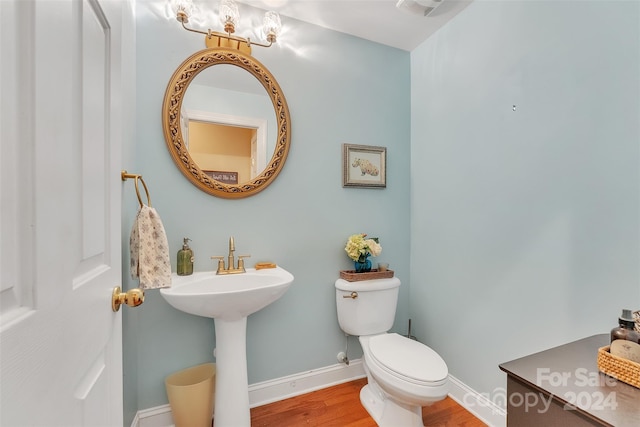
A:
[525, 167]
[340, 89]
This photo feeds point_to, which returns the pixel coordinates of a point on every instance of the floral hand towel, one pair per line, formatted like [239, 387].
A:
[150, 259]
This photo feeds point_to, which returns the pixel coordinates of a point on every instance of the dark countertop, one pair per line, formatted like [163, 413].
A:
[570, 374]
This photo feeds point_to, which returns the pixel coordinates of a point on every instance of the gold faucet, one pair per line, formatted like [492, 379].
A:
[230, 268]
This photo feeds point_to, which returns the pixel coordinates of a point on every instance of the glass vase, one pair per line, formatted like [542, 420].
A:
[362, 265]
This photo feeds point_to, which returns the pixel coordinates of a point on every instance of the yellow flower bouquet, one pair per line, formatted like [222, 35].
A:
[359, 248]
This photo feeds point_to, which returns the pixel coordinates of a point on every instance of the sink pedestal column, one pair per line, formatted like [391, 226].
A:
[232, 384]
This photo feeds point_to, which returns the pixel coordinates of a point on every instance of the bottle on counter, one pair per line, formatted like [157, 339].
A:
[625, 341]
[185, 259]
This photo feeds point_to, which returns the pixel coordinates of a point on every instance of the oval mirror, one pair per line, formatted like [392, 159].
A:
[227, 128]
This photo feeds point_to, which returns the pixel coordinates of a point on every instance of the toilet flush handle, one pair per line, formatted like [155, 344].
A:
[352, 295]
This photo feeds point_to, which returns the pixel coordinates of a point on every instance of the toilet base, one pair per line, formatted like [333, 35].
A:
[387, 412]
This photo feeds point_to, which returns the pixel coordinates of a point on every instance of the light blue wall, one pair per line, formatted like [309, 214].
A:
[340, 89]
[525, 224]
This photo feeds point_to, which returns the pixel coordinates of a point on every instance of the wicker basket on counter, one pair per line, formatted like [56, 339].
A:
[618, 368]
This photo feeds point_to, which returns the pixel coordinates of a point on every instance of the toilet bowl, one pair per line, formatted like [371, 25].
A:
[403, 375]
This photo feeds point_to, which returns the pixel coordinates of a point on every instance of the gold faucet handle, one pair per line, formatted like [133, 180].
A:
[220, 262]
[241, 261]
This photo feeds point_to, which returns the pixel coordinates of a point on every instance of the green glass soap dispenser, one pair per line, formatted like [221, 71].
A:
[185, 259]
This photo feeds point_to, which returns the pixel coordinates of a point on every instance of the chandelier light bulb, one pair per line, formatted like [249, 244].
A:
[229, 15]
[183, 9]
[271, 26]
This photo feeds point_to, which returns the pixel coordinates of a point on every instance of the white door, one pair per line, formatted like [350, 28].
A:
[61, 130]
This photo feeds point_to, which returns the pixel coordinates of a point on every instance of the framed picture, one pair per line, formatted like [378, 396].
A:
[223, 177]
[364, 166]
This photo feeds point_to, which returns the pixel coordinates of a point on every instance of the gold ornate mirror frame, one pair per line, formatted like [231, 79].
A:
[172, 105]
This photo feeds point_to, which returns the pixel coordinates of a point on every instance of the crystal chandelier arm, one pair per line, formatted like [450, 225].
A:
[211, 33]
[194, 30]
[250, 43]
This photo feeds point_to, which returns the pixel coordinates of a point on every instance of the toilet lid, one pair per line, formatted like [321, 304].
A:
[408, 358]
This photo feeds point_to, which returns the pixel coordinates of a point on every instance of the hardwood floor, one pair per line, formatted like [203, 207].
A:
[339, 406]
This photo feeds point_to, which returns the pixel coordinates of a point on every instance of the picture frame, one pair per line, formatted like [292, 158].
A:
[364, 166]
[226, 177]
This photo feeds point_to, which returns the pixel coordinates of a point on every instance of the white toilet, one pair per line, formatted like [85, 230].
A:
[403, 375]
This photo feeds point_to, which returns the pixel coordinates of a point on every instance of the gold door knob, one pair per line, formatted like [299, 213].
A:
[132, 298]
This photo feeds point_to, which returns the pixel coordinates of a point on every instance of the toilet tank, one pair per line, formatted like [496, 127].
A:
[373, 309]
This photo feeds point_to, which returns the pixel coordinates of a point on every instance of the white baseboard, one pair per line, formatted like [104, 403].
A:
[160, 416]
[305, 382]
[484, 409]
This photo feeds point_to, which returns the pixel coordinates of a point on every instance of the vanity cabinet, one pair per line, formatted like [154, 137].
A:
[563, 387]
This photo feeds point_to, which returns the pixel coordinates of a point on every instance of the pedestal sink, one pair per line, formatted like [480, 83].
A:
[229, 299]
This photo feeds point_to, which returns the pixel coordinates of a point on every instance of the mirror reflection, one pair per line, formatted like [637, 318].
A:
[228, 124]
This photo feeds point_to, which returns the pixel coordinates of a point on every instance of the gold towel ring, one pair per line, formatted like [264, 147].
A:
[136, 177]
[146, 190]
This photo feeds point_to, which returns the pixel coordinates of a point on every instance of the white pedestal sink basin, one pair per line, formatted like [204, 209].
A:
[229, 299]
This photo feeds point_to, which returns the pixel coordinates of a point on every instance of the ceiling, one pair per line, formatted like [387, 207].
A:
[376, 20]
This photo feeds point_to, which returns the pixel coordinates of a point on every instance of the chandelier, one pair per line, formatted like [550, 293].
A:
[228, 14]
